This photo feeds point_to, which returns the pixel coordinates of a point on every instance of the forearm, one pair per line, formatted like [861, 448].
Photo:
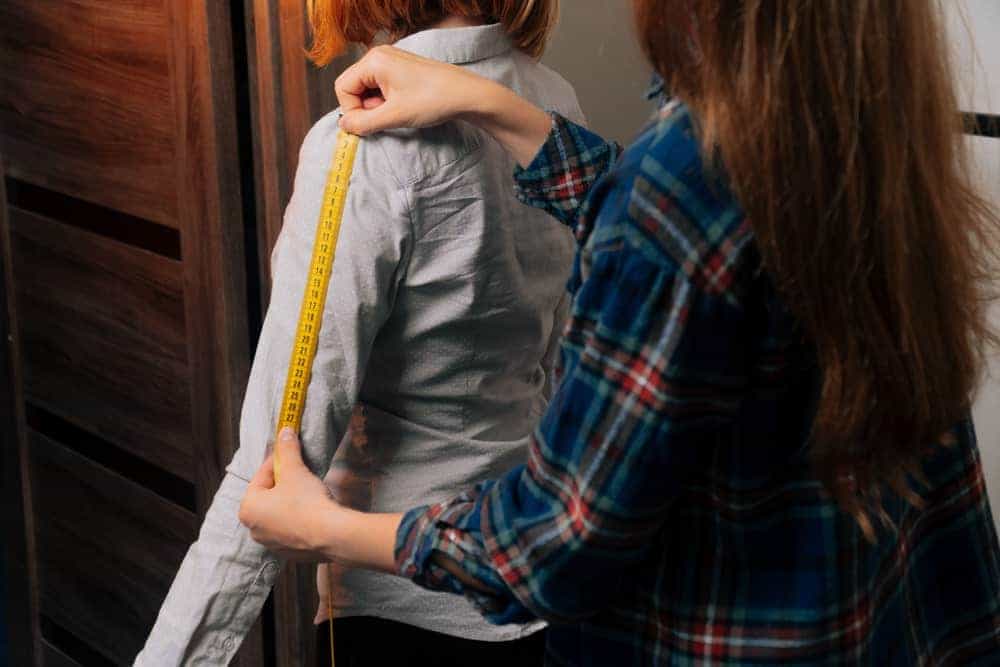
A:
[358, 539]
[518, 125]
[413, 91]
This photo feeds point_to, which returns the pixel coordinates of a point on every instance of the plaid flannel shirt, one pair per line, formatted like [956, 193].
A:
[668, 513]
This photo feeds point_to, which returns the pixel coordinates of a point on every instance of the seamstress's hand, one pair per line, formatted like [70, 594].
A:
[289, 517]
[391, 88]
[298, 520]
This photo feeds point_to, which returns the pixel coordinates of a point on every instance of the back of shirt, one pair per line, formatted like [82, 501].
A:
[458, 373]
[446, 299]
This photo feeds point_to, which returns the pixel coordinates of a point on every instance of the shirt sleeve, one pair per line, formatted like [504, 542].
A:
[565, 169]
[225, 577]
[550, 360]
[652, 374]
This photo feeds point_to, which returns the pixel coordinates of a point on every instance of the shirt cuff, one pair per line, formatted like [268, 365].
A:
[570, 161]
[218, 592]
[451, 528]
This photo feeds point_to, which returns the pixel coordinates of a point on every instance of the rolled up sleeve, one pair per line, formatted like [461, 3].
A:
[567, 166]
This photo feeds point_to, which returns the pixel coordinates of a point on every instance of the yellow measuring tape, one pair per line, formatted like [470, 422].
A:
[314, 298]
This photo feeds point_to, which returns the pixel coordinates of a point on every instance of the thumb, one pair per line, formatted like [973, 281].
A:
[363, 122]
[264, 477]
[288, 447]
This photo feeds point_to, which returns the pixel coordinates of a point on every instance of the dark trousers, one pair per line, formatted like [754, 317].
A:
[363, 641]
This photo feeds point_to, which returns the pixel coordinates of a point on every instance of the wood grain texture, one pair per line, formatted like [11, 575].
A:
[295, 603]
[85, 102]
[209, 199]
[289, 95]
[53, 657]
[271, 153]
[108, 549]
[15, 493]
[130, 104]
[212, 232]
[104, 338]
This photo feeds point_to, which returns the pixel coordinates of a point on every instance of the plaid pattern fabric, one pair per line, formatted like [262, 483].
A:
[667, 513]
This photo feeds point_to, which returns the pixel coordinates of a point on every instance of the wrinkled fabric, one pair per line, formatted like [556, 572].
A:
[668, 512]
[446, 300]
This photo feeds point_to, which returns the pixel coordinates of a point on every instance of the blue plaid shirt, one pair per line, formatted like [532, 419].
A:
[668, 513]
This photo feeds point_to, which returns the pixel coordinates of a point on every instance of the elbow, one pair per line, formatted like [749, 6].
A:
[574, 581]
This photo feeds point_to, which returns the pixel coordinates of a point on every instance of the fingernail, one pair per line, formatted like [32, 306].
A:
[286, 434]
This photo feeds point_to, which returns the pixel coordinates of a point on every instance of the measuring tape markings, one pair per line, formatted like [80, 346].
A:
[314, 300]
[317, 284]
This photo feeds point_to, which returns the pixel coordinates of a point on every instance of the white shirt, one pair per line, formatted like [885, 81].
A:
[445, 304]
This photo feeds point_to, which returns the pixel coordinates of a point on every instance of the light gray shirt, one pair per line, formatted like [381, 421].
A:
[445, 304]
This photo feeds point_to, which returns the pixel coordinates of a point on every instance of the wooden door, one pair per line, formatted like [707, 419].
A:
[118, 126]
[150, 149]
[20, 592]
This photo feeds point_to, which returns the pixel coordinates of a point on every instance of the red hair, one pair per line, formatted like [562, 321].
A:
[337, 23]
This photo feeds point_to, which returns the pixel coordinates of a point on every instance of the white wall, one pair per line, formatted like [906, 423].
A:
[986, 414]
[974, 27]
[595, 48]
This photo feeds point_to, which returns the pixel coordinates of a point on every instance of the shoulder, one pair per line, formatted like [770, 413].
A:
[400, 157]
[676, 208]
[547, 88]
[373, 194]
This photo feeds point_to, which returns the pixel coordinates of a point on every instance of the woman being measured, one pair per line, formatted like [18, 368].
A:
[760, 449]
[446, 299]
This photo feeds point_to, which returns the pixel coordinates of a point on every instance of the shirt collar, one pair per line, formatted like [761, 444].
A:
[458, 46]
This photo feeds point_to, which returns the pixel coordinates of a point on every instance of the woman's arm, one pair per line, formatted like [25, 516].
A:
[299, 521]
[392, 88]
[560, 161]
[653, 372]
[654, 369]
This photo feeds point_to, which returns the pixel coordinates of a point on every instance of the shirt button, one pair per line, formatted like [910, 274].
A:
[228, 644]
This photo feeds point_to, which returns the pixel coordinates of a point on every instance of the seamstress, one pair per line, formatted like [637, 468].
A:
[760, 450]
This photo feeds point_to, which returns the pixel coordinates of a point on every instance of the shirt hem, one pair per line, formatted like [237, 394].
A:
[488, 634]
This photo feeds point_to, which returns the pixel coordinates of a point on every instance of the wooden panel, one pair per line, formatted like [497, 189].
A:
[103, 334]
[85, 101]
[108, 550]
[289, 94]
[15, 489]
[296, 600]
[53, 657]
[211, 214]
[130, 104]
[211, 233]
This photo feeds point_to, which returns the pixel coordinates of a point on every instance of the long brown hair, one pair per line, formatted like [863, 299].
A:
[836, 123]
[337, 23]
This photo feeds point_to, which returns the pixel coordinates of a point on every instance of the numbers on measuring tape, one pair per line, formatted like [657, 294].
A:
[314, 297]
[317, 285]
